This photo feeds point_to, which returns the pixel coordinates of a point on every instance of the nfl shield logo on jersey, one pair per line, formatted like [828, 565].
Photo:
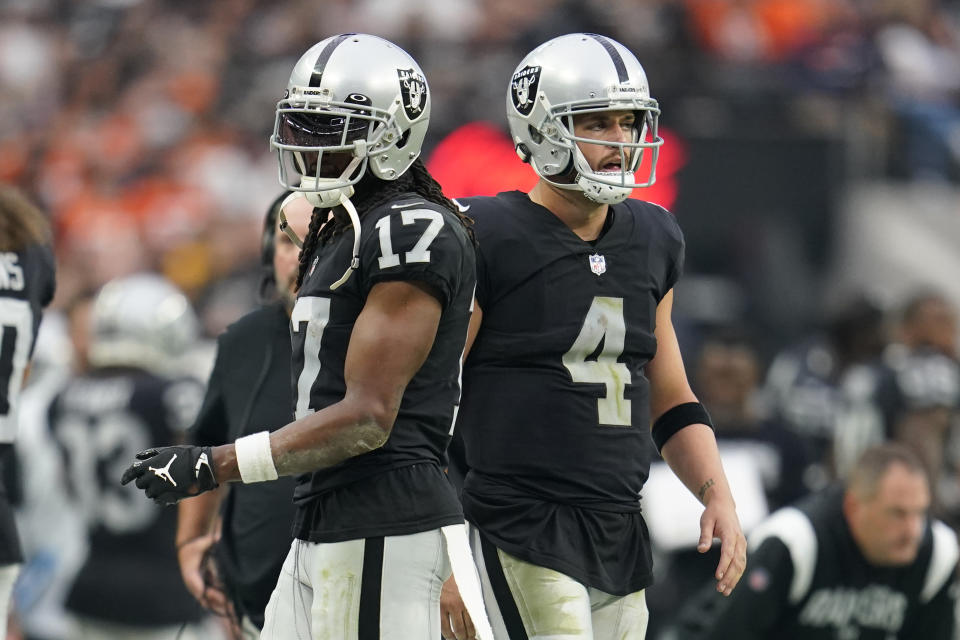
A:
[598, 264]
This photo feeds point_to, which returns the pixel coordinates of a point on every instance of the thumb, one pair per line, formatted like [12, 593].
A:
[706, 536]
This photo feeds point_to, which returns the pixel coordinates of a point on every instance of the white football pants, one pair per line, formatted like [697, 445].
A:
[528, 602]
[384, 588]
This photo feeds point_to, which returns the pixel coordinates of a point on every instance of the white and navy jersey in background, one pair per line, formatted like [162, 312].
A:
[101, 420]
[27, 282]
[807, 580]
[803, 388]
[555, 416]
[902, 382]
[399, 488]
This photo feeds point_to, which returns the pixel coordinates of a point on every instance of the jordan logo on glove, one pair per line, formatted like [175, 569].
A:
[164, 472]
[202, 461]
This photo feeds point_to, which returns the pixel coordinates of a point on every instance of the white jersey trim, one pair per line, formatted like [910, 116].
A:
[794, 529]
[943, 560]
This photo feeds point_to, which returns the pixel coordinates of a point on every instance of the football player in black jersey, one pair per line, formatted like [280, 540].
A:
[232, 568]
[862, 561]
[27, 282]
[575, 353]
[385, 290]
[131, 397]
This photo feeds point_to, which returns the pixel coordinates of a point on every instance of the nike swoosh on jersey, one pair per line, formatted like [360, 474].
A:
[462, 207]
[405, 205]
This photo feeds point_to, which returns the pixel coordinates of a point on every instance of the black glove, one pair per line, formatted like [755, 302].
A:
[169, 474]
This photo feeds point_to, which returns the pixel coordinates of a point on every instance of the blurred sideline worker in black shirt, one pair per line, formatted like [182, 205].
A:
[249, 390]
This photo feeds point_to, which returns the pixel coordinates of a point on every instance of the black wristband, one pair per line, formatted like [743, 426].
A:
[680, 416]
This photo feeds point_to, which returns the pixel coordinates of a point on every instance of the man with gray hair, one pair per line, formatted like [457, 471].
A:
[862, 561]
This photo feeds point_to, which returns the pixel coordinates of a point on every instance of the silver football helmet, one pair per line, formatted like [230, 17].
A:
[141, 321]
[353, 101]
[575, 74]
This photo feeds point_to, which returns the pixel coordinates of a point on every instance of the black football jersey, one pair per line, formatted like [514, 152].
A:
[556, 403]
[100, 421]
[807, 579]
[27, 282]
[406, 239]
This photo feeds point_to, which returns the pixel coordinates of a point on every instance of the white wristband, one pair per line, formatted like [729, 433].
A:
[254, 458]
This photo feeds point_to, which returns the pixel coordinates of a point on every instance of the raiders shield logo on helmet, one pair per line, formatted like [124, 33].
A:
[413, 88]
[523, 88]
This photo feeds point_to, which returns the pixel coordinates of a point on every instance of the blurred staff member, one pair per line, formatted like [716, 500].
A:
[862, 561]
[249, 390]
[804, 383]
[27, 282]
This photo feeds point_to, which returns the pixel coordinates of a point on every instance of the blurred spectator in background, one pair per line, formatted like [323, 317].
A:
[919, 45]
[929, 321]
[727, 376]
[911, 395]
[128, 585]
[863, 560]
[803, 384]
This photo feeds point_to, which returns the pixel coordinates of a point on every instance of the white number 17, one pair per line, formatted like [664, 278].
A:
[420, 251]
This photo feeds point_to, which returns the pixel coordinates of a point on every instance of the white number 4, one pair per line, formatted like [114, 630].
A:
[420, 251]
[604, 322]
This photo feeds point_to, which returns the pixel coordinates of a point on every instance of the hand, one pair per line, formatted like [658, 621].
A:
[455, 622]
[719, 520]
[169, 474]
[200, 574]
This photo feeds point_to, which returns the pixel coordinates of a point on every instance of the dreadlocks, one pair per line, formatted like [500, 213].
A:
[371, 193]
